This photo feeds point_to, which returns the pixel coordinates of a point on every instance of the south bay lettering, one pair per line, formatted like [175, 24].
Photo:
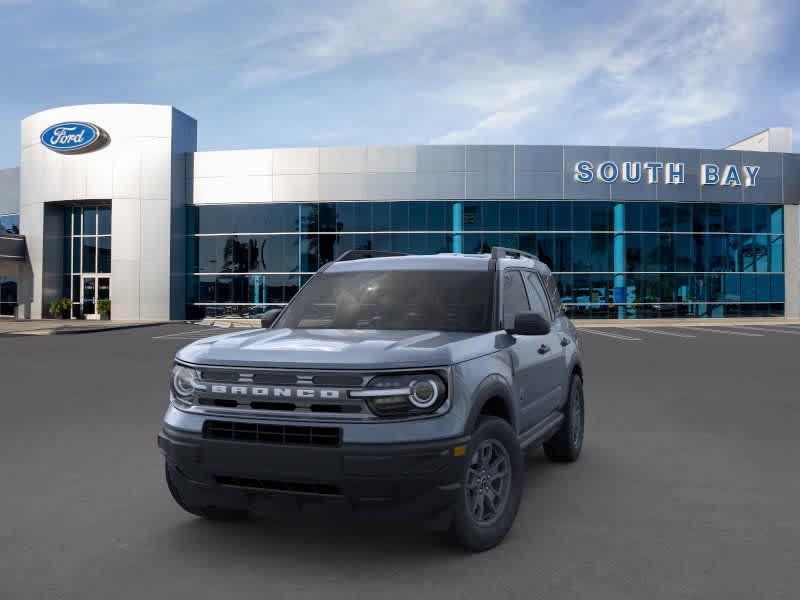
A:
[665, 172]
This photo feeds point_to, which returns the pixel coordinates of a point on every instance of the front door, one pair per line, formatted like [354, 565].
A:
[538, 360]
[88, 294]
[553, 366]
[93, 290]
[87, 259]
[535, 358]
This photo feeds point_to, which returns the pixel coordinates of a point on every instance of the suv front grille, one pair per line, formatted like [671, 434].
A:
[272, 434]
[289, 392]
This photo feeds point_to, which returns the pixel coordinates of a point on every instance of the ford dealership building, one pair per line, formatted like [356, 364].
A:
[113, 202]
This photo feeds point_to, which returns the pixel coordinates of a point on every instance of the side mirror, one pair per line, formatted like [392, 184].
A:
[268, 318]
[530, 323]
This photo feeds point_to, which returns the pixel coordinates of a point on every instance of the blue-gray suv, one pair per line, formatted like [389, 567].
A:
[389, 385]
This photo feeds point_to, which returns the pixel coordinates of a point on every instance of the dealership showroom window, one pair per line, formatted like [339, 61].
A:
[679, 259]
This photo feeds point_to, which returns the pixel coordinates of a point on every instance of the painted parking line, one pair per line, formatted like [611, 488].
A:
[661, 332]
[770, 329]
[616, 336]
[729, 331]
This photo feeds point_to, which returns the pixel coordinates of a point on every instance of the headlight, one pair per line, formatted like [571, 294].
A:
[184, 382]
[425, 392]
[406, 394]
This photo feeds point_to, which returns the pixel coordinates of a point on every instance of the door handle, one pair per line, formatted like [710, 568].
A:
[544, 349]
[565, 341]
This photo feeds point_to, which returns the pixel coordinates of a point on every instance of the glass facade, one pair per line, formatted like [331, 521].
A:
[611, 259]
[8, 285]
[87, 257]
[8, 296]
[9, 224]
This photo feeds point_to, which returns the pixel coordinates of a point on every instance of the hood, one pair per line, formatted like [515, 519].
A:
[337, 348]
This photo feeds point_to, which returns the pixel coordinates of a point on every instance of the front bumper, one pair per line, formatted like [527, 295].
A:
[393, 479]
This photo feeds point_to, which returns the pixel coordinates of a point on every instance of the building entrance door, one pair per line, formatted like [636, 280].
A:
[94, 289]
[87, 258]
[88, 294]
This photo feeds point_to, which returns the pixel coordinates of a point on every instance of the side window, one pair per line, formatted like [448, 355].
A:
[551, 287]
[515, 300]
[537, 296]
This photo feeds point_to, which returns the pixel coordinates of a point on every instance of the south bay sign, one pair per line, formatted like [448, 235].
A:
[665, 172]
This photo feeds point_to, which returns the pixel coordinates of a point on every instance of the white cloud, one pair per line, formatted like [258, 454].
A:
[332, 35]
[501, 121]
[675, 65]
[694, 69]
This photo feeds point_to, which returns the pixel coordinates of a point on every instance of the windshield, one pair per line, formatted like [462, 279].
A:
[428, 300]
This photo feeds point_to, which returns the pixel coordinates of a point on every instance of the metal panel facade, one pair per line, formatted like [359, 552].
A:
[478, 172]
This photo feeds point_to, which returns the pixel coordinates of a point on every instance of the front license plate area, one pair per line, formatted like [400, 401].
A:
[279, 462]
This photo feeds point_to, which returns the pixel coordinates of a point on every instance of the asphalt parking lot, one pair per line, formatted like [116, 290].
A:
[687, 487]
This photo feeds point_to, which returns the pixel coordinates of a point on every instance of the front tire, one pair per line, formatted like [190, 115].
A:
[566, 444]
[491, 486]
[212, 513]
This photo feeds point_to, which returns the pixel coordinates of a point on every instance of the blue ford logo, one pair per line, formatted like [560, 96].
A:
[74, 137]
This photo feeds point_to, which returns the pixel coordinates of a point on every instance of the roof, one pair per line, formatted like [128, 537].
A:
[429, 262]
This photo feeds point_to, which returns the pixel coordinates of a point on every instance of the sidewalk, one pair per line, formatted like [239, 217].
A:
[60, 327]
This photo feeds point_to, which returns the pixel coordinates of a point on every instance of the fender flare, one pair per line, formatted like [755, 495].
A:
[493, 386]
[575, 368]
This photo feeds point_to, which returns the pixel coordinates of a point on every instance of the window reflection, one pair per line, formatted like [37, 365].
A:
[8, 295]
[685, 259]
[9, 224]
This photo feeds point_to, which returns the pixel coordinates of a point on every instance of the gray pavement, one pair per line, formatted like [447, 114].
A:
[687, 487]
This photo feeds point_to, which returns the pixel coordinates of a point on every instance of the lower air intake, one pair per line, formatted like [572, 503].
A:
[289, 487]
[268, 433]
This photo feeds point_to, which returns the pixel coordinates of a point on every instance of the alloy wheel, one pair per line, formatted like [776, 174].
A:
[488, 484]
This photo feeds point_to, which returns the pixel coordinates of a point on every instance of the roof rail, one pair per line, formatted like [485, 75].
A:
[358, 253]
[500, 252]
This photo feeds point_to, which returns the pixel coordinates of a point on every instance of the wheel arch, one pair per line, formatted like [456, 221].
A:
[494, 397]
[577, 369]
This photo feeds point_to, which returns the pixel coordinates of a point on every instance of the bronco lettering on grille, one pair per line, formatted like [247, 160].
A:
[298, 393]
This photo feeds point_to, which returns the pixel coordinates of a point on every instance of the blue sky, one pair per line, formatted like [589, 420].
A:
[298, 73]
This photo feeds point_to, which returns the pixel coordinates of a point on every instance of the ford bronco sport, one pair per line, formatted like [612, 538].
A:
[394, 385]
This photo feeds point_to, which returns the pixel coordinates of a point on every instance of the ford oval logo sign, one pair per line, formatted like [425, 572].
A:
[74, 137]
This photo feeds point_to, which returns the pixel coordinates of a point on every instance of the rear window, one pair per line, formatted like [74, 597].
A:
[396, 299]
[551, 287]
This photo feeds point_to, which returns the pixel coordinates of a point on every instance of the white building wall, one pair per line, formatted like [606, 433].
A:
[774, 139]
[332, 174]
[135, 172]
